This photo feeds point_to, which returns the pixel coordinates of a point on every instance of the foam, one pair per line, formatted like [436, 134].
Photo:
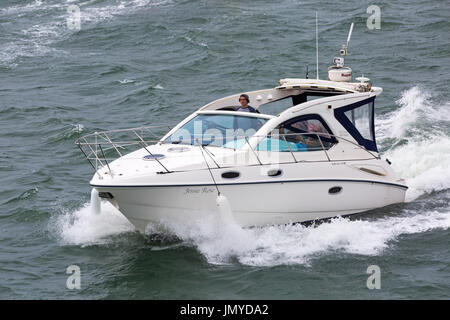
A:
[297, 244]
[395, 125]
[424, 164]
[126, 81]
[34, 6]
[101, 13]
[83, 228]
[224, 242]
[38, 40]
[419, 145]
[77, 128]
[189, 39]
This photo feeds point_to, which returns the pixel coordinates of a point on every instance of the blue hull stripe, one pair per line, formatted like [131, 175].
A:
[239, 183]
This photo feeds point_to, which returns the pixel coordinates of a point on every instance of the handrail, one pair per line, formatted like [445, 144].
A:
[97, 150]
[128, 129]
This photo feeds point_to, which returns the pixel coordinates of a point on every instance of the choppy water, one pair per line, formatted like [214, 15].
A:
[143, 62]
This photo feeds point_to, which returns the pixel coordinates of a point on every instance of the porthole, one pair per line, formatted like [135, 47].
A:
[230, 174]
[335, 190]
[274, 172]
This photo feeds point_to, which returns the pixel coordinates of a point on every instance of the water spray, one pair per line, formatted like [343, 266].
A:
[221, 201]
[95, 202]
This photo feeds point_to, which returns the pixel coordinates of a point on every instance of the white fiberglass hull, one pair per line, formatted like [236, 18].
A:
[254, 204]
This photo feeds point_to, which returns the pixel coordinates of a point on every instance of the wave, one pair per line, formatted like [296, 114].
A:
[36, 5]
[417, 141]
[223, 242]
[424, 164]
[126, 81]
[67, 133]
[84, 228]
[40, 38]
[23, 196]
[415, 108]
[299, 244]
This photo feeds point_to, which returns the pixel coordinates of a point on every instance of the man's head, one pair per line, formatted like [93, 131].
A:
[244, 100]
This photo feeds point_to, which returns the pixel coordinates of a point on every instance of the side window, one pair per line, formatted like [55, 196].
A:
[361, 118]
[358, 120]
[304, 133]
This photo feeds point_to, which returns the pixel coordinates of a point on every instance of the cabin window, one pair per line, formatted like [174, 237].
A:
[216, 129]
[276, 107]
[361, 118]
[304, 133]
[358, 119]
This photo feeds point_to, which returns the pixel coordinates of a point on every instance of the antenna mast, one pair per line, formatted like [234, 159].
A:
[338, 72]
[345, 46]
[317, 48]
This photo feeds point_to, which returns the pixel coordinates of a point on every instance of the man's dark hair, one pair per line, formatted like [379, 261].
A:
[245, 96]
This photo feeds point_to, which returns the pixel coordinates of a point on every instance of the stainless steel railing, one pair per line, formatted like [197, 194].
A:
[100, 148]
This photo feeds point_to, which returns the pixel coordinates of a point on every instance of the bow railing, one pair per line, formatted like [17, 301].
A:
[101, 148]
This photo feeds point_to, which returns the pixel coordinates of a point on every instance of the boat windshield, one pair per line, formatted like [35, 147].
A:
[216, 129]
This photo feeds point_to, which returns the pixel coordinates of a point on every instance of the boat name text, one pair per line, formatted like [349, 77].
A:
[198, 190]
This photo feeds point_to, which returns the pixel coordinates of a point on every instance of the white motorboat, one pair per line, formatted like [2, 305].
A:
[317, 158]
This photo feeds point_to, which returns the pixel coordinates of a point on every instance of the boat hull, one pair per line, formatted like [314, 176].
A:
[253, 204]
